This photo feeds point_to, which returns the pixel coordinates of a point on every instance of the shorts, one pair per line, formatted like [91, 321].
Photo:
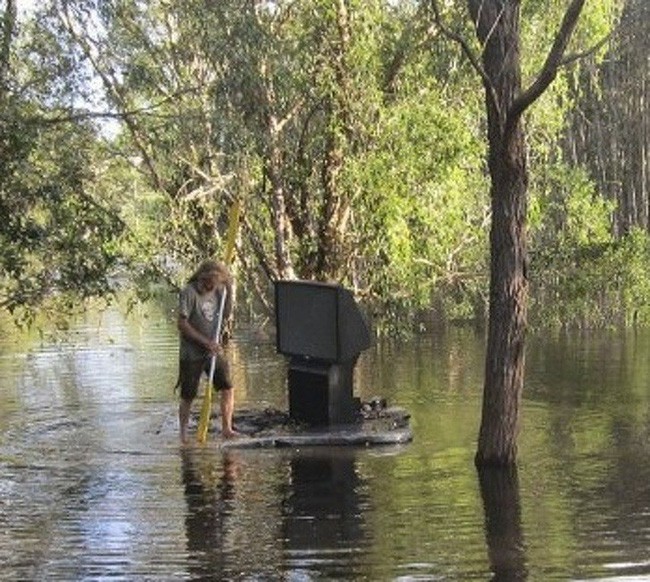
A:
[190, 371]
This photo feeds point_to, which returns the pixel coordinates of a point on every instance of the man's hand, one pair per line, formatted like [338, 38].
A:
[213, 347]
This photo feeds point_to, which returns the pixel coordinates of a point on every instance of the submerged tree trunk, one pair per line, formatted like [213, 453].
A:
[503, 529]
[497, 25]
[504, 366]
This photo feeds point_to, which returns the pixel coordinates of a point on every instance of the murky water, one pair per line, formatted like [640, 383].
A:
[93, 484]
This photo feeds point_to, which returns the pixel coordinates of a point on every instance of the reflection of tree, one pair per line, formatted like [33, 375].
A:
[210, 499]
[594, 422]
[323, 514]
[503, 530]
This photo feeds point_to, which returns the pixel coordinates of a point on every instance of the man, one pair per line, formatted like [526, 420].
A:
[198, 311]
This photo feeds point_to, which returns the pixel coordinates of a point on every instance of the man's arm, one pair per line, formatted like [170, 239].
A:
[190, 333]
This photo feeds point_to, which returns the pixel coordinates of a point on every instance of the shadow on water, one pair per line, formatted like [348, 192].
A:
[503, 527]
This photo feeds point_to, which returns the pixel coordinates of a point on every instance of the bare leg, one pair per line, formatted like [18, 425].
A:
[184, 408]
[227, 410]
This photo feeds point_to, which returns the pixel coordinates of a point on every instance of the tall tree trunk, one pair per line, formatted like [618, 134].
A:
[332, 225]
[497, 25]
[8, 24]
[505, 358]
[281, 223]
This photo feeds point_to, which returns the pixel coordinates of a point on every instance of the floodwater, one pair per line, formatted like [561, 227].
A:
[94, 485]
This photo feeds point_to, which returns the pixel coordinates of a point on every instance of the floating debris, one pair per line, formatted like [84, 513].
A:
[376, 424]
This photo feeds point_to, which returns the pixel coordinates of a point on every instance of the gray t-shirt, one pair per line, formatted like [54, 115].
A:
[202, 312]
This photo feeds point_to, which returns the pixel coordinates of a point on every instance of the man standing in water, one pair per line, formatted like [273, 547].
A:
[198, 311]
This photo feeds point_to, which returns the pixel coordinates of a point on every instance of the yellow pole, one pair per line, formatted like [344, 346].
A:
[229, 253]
[231, 234]
[206, 409]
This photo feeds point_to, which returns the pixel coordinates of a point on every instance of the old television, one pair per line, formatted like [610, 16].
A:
[319, 321]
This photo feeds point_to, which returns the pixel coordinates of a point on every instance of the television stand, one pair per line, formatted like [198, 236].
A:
[321, 393]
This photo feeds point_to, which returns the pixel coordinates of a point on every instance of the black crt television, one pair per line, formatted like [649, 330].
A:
[319, 321]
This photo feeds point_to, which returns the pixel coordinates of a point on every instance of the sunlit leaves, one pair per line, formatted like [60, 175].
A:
[56, 238]
[366, 119]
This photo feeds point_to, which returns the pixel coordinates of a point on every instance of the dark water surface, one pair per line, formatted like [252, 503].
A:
[93, 483]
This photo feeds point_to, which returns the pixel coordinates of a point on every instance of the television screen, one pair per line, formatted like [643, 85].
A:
[318, 320]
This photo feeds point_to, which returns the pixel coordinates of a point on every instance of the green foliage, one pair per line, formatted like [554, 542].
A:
[424, 206]
[56, 237]
[58, 241]
[573, 251]
[377, 160]
[595, 285]
[354, 137]
[581, 275]
[540, 21]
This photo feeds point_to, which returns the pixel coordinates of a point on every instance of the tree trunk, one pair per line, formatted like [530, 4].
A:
[281, 223]
[8, 24]
[497, 25]
[504, 365]
[503, 529]
[283, 266]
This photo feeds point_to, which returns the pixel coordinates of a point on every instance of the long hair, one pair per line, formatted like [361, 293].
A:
[211, 267]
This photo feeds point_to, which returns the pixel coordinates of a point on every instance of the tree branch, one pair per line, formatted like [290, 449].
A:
[115, 90]
[468, 52]
[73, 117]
[549, 70]
[572, 58]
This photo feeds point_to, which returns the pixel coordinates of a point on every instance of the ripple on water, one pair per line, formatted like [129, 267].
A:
[93, 484]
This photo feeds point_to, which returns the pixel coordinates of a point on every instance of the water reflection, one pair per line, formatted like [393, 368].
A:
[94, 485]
[322, 516]
[302, 512]
[503, 528]
[210, 494]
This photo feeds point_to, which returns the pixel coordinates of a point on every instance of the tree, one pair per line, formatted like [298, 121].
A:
[609, 131]
[497, 25]
[352, 135]
[314, 114]
[57, 242]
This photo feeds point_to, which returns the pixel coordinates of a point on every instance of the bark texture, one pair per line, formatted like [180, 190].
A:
[497, 24]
